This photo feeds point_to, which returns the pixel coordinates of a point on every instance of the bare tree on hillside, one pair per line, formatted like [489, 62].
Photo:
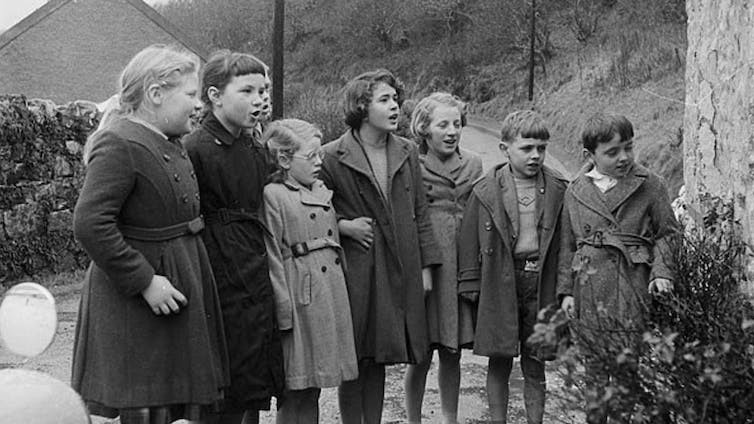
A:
[719, 116]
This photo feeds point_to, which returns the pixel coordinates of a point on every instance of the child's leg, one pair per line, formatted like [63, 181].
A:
[350, 399]
[414, 384]
[449, 378]
[498, 373]
[288, 407]
[251, 416]
[300, 406]
[374, 392]
[534, 388]
[309, 406]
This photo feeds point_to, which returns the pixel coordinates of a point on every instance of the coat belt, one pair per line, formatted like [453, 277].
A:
[618, 240]
[225, 216]
[305, 247]
[170, 232]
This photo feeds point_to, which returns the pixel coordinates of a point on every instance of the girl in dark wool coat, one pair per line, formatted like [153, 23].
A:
[387, 239]
[231, 169]
[149, 341]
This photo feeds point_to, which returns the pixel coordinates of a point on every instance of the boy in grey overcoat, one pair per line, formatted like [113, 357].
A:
[508, 243]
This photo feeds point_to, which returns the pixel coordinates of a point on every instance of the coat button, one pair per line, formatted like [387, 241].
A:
[587, 228]
[542, 190]
[489, 252]
[185, 198]
[196, 196]
[431, 200]
[327, 208]
[166, 157]
[176, 177]
[488, 226]
[337, 261]
[184, 155]
[514, 236]
[312, 215]
[324, 269]
[329, 232]
[429, 188]
[193, 175]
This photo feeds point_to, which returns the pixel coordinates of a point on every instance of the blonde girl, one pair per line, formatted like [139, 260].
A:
[149, 308]
[448, 173]
[306, 272]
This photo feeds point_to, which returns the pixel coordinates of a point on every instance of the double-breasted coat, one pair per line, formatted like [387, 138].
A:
[310, 290]
[486, 262]
[124, 355]
[385, 282]
[231, 173]
[615, 243]
[448, 186]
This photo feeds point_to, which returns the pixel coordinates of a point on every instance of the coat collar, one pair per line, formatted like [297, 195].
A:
[318, 195]
[221, 134]
[445, 169]
[351, 154]
[586, 193]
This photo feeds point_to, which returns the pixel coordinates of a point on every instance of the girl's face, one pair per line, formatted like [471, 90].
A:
[242, 103]
[306, 162]
[444, 131]
[383, 111]
[177, 105]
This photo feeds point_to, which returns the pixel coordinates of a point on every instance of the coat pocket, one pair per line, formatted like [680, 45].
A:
[305, 290]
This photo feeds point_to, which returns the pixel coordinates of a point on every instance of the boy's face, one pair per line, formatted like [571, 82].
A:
[525, 155]
[614, 158]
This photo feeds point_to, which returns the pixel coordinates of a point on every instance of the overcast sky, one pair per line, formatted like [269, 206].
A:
[12, 11]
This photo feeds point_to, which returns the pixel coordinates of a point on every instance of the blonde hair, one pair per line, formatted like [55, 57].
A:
[284, 138]
[157, 64]
[421, 116]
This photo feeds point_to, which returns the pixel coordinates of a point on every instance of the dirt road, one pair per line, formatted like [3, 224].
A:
[477, 137]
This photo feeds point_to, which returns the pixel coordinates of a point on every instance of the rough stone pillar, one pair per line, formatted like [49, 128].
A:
[719, 115]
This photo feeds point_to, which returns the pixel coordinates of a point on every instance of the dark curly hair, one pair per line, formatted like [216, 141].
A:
[358, 94]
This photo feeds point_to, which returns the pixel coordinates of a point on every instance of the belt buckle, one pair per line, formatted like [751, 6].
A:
[196, 225]
[531, 266]
[300, 249]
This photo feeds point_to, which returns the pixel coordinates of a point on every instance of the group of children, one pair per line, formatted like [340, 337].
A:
[230, 267]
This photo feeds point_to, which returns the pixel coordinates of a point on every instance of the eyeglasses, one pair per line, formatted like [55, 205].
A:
[318, 153]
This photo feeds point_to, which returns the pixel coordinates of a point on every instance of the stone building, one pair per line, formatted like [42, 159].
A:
[75, 49]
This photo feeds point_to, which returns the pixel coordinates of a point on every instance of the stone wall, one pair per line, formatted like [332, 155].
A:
[40, 176]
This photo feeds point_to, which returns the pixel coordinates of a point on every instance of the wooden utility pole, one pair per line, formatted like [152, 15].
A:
[277, 59]
[531, 49]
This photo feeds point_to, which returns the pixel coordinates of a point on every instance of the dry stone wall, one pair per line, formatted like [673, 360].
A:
[40, 176]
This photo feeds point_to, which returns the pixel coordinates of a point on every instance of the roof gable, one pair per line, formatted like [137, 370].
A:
[53, 5]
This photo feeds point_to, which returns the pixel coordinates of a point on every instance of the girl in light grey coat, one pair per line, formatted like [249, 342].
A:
[305, 260]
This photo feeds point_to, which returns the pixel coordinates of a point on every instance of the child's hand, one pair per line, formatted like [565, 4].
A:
[359, 229]
[568, 305]
[427, 279]
[660, 285]
[162, 297]
[471, 297]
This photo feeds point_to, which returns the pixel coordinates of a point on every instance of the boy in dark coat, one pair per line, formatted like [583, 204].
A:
[508, 263]
[617, 222]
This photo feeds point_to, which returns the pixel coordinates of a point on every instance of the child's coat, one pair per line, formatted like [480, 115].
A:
[310, 290]
[485, 263]
[600, 238]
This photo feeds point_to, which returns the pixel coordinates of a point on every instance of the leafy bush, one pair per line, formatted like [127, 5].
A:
[320, 105]
[690, 360]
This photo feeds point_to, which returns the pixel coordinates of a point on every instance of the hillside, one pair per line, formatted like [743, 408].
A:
[623, 56]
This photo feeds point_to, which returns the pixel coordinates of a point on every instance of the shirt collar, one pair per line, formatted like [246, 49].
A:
[218, 130]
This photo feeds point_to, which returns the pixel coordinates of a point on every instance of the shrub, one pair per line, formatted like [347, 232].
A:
[691, 359]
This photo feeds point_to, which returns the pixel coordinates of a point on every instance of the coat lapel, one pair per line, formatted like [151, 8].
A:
[509, 198]
[397, 154]
[586, 193]
[551, 193]
[490, 194]
[626, 186]
[443, 170]
[352, 156]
